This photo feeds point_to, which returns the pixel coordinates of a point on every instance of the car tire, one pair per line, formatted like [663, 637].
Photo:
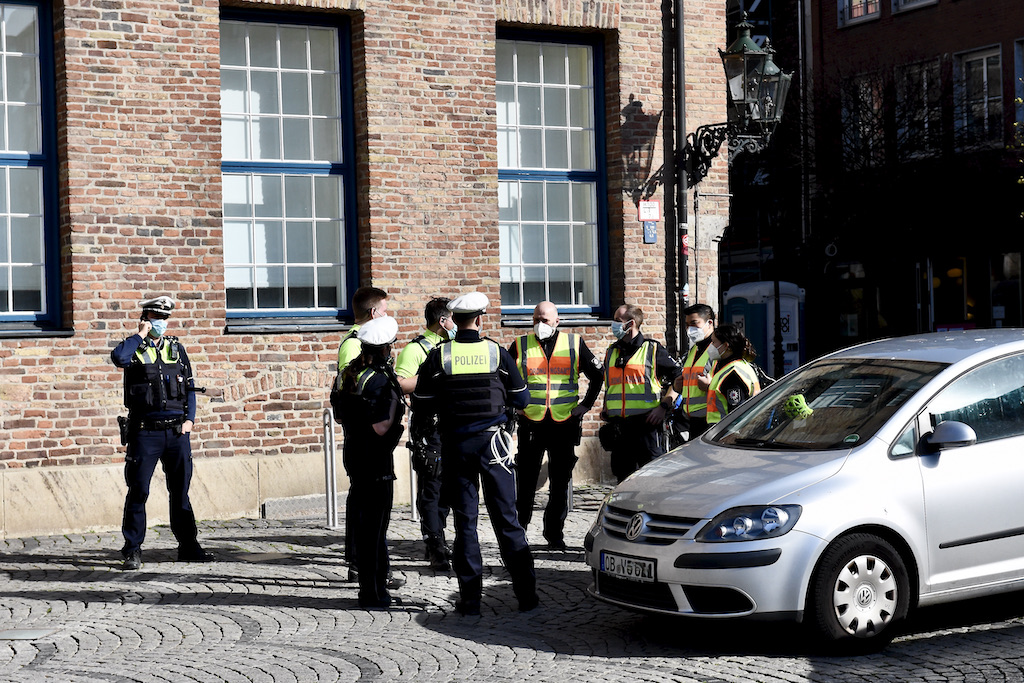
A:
[860, 593]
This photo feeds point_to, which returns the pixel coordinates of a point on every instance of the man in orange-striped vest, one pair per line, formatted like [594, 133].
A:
[637, 370]
[551, 362]
[700, 323]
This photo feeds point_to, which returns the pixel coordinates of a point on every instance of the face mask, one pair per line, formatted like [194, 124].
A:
[618, 329]
[713, 352]
[159, 327]
[451, 332]
[695, 334]
[543, 330]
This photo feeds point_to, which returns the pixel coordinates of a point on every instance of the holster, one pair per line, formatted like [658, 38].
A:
[124, 425]
[425, 461]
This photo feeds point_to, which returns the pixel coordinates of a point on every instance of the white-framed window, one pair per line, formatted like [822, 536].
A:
[919, 108]
[854, 11]
[29, 273]
[902, 5]
[286, 174]
[551, 183]
[978, 98]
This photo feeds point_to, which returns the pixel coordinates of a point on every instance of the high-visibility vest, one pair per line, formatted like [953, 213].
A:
[695, 399]
[553, 382]
[471, 389]
[633, 389]
[718, 407]
[157, 379]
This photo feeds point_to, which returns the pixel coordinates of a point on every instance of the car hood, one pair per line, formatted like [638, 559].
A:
[700, 479]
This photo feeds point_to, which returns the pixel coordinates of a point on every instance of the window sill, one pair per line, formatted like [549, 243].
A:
[525, 322]
[284, 325]
[21, 331]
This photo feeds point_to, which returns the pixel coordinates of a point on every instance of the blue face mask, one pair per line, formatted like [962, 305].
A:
[618, 329]
[451, 332]
[159, 328]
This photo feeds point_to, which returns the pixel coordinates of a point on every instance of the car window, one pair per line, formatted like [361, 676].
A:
[829, 404]
[990, 399]
[906, 443]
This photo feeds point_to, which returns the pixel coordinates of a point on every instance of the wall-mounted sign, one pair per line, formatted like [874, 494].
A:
[649, 210]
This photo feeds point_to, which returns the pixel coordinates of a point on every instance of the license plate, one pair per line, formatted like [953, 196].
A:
[632, 568]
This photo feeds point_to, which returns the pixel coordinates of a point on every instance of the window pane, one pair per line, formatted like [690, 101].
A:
[296, 139]
[508, 149]
[27, 240]
[579, 108]
[329, 293]
[529, 106]
[23, 132]
[511, 279]
[528, 62]
[328, 242]
[322, 49]
[20, 29]
[584, 202]
[508, 201]
[582, 149]
[558, 245]
[267, 196]
[586, 285]
[504, 56]
[295, 93]
[506, 104]
[232, 44]
[237, 243]
[555, 107]
[534, 287]
[325, 94]
[579, 65]
[234, 138]
[300, 288]
[236, 196]
[269, 242]
[232, 92]
[27, 288]
[300, 244]
[556, 149]
[532, 201]
[293, 47]
[263, 45]
[990, 399]
[298, 196]
[554, 63]
[270, 287]
[328, 196]
[5, 289]
[560, 285]
[533, 243]
[22, 79]
[263, 97]
[584, 243]
[326, 140]
[558, 202]
[266, 140]
[26, 189]
[530, 152]
[4, 253]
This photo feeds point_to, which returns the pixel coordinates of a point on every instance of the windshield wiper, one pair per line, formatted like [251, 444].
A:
[778, 445]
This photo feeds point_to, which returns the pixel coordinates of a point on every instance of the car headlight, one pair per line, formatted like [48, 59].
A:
[751, 523]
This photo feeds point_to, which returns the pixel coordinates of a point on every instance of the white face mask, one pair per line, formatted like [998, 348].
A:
[713, 352]
[543, 330]
[694, 334]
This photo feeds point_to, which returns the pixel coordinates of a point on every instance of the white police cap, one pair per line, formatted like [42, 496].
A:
[474, 302]
[378, 332]
[162, 305]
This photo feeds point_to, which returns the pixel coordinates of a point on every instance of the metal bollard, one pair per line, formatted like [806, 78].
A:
[330, 470]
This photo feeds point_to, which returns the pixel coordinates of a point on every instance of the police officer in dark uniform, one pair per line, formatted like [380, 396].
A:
[472, 384]
[370, 409]
[159, 393]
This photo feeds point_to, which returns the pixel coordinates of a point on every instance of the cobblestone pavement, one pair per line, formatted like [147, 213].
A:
[275, 607]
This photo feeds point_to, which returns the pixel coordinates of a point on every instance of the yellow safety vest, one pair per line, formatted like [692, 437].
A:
[718, 407]
[633, 389]
[553, 382]
[695, 399]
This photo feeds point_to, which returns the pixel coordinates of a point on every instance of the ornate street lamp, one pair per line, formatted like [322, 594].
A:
[756, 95]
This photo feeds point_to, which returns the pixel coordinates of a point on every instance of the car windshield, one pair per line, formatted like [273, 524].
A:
[831, 404]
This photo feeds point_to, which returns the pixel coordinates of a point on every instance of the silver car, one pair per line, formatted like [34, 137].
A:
[870, 481]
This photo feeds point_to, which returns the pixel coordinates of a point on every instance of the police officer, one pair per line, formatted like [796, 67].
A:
[472, 384]
[551, 362]
[700, 323]
[368, 303]
[424, 440]
[636, 370]
[371, 409]
[159, 393]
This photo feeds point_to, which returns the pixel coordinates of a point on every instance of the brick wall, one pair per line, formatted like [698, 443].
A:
[140, 196]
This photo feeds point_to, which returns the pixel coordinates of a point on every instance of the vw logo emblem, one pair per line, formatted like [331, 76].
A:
[865, 596]
[637, 525]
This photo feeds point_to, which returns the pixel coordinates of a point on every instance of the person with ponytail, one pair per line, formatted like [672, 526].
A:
[732, 379]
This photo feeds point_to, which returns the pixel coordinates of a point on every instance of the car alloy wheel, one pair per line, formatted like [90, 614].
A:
[860, 590]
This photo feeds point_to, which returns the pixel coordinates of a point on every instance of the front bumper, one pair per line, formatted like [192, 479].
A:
[744, 579]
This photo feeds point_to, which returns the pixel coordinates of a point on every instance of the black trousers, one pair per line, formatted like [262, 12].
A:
[372, 513]
[638, 443]
[467, 467]
[433, 511]
[174, 452]
[559, 440]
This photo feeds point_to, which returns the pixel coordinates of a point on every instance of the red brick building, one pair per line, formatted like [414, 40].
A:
[258, 161]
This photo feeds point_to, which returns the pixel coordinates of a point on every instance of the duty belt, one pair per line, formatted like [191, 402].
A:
[158, 425]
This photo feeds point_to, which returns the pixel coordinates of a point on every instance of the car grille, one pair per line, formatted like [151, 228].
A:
[654, 595]
[658, 529]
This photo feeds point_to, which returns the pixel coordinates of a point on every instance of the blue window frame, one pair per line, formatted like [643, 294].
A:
[552, 188]
[29, 269]
[287, 166]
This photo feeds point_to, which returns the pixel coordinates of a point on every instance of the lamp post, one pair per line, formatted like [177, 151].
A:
[756, 95]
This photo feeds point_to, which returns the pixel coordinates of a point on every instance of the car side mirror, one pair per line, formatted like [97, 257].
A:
[950, 434]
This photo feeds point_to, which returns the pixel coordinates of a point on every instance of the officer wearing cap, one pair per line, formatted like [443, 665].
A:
[371, 410]
[472, 384]
[159, 393]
